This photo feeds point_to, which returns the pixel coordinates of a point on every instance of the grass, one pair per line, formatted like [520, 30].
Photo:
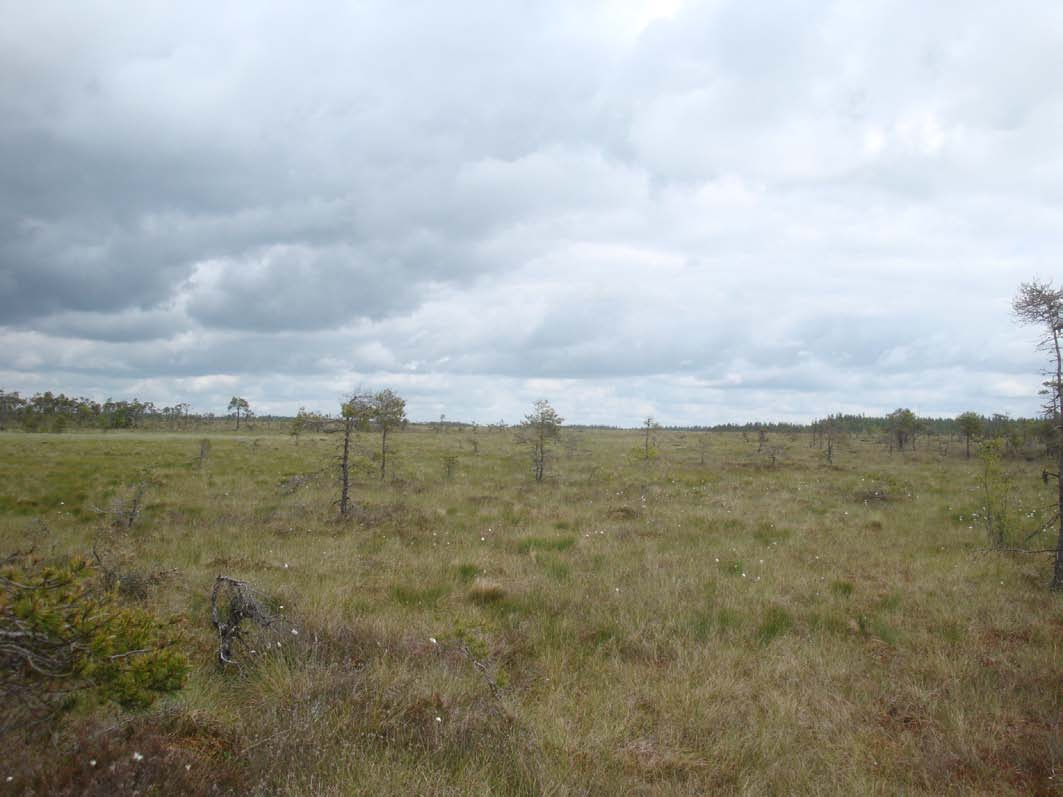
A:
[627, 626]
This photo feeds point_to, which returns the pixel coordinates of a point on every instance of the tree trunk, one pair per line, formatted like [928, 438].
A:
[1057, 575]
[968, 446]
[383, 452]
[540, 454]
[345, 483]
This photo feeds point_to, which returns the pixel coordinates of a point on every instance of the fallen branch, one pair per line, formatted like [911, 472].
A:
[1016, 550]
[496, 690]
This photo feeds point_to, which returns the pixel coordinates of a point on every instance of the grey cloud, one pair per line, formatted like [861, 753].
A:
[127, 325]
[149, 150]
[297, 287]
[771, 206]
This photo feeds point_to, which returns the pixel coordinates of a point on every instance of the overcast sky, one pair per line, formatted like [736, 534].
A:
[703, 211]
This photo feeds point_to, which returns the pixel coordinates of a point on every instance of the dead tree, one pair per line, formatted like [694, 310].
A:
[233, 602]
[1041, 304]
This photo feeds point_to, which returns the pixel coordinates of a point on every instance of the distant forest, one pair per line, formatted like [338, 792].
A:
[57, 412]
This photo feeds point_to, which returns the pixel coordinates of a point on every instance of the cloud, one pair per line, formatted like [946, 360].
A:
[707, 210]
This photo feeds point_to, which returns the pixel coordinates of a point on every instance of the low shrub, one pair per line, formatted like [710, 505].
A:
[65, 638]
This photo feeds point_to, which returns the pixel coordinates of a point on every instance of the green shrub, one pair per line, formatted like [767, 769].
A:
[65, 637]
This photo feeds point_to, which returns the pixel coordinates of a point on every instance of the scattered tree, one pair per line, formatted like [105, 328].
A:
[356, 413]
[996, 494]
[10, 405]
[969, 424]
[362, 411]
[388, 414]
[298, 424]
[1040, 304]
[238, 406]
[650, 426]
[305, 422]
[703, 445]
[450, 463]
[539, 430]
[830, 430]
[902, 425]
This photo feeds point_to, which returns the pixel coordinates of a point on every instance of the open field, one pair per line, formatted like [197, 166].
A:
[628, 626]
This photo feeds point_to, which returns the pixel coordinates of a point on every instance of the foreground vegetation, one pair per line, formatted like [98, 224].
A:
[715, 614]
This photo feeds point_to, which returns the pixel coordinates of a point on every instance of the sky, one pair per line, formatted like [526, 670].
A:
[701, 211]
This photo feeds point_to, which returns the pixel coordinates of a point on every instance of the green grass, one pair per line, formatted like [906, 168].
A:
[628, 626]
[545, 544]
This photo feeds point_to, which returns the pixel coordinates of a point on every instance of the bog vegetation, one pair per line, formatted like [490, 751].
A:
[354, 605]
[836, 608]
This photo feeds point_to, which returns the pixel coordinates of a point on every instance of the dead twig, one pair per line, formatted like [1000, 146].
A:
[480, 667]
[1016, 550]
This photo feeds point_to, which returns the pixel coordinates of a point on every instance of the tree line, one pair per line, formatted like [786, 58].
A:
[56, 412]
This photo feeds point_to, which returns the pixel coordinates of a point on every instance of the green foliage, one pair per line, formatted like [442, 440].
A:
[63, 635]
[969, 424]
[538, 429]
[384, 410]
[299, 422]
[239, 405]
[903, 424]
[389, 410]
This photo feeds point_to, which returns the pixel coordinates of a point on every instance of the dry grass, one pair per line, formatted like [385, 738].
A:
[629, 626]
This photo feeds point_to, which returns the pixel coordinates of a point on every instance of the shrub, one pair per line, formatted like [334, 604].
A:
[61, 636]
